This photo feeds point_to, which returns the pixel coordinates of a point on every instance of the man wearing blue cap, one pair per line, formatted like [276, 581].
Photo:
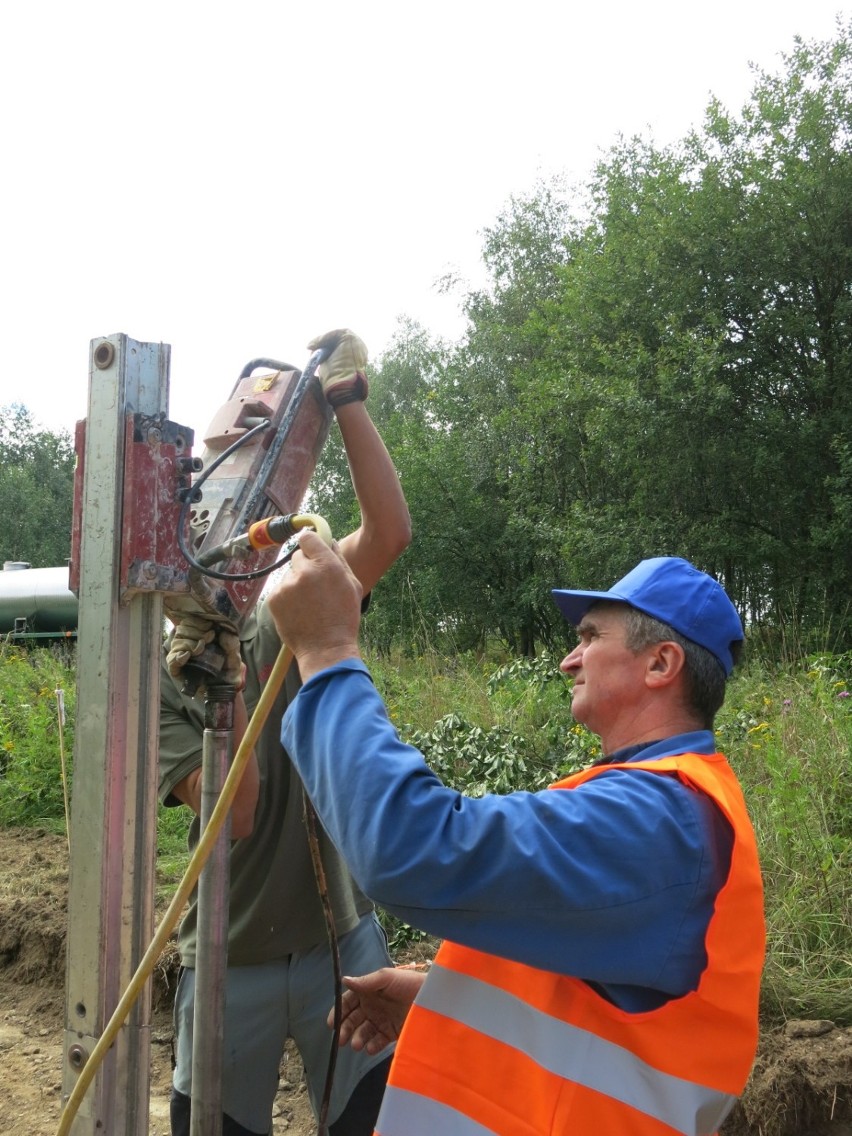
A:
[603, 938]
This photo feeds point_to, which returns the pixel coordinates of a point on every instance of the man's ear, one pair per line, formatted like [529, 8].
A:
[666, 661]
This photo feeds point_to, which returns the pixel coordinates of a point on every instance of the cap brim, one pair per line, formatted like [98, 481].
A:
[574, 605]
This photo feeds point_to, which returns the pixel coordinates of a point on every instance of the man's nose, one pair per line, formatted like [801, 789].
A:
[572, 660]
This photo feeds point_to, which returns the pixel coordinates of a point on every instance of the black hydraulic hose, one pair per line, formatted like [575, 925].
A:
[193, 494]
[311, 824]
[273, 363]
[272, 454]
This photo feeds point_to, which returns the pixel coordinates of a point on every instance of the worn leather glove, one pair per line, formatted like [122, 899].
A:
[194, 632]
[341, 374]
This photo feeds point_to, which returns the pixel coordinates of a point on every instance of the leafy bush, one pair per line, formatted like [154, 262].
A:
[477, 761]
[788, 734]
[31, 790]
[497, 727]
[535, 694]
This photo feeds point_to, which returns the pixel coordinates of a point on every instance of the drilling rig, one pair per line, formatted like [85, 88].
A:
[155, 527]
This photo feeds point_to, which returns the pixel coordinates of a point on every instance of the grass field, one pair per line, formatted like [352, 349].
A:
[499, 725]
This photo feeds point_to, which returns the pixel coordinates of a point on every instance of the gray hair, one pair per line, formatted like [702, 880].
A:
[704, 674]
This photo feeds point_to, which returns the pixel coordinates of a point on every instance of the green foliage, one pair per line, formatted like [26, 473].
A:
[788, 734]
[36, 491]
[477, 761]
[172, 853]
[702, 331]
[405, 941]
[537, 696]
[31, 790]
[485, 726]
[502, 725]
[401, 404]
[656, 365]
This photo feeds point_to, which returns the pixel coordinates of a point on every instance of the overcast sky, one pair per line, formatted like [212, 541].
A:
[233, 180]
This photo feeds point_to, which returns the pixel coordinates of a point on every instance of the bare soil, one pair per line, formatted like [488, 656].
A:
[33, 910]
[801, 1084]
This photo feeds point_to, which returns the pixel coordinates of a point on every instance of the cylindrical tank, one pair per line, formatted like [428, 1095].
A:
[41, 596]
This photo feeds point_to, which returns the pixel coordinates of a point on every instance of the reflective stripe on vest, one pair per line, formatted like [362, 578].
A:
[493, 1046]
[574, 1054]
[416, 1115]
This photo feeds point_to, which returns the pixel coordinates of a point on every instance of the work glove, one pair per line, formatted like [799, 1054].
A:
[193, 633]
[341, 374]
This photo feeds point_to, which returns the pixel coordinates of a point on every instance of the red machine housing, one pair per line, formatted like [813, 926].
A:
[268, 475]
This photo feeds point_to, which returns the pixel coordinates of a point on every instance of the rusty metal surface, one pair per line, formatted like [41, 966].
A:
[114, 803]
[233, 498]
[158, 454]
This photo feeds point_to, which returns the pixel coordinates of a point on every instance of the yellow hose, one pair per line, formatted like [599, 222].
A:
[199, 857]
[313, 521]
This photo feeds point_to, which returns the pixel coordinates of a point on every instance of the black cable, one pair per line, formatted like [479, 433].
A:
[310, 818]
[193, 494]
[274, 364]
[190, 496]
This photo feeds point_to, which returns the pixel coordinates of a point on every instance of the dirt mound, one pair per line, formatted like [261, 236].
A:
[801, 1084]
[33, 908]
[33, 901]
[33, 912]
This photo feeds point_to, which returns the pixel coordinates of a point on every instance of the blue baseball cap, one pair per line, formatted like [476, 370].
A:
[675, 592]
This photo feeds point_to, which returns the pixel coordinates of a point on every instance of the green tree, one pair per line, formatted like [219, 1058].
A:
[658, 364]
[498, 507]
[36, 490]
[402, 383]
[684, 382]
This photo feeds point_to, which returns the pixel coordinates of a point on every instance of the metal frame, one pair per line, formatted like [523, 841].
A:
[131, 489]
[113, 814]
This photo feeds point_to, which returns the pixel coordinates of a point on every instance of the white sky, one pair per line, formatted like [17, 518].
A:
[234, 179]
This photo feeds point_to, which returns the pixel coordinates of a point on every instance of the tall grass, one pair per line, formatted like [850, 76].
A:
[31, 791]
[788, 734]
[503, 724]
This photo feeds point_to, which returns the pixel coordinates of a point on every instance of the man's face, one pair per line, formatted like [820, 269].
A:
[608, 677]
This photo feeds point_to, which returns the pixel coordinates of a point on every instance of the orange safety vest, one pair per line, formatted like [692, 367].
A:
[493, 1046]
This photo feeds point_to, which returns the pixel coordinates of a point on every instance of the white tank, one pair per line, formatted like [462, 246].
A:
[41, 596]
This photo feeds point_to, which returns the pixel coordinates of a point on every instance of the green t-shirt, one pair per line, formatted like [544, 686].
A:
[275, 907]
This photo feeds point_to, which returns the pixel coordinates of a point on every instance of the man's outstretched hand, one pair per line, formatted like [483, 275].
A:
[341, 374]
[317, 606]
[375, 1007]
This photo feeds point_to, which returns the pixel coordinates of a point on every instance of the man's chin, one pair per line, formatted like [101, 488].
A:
[577, 710]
